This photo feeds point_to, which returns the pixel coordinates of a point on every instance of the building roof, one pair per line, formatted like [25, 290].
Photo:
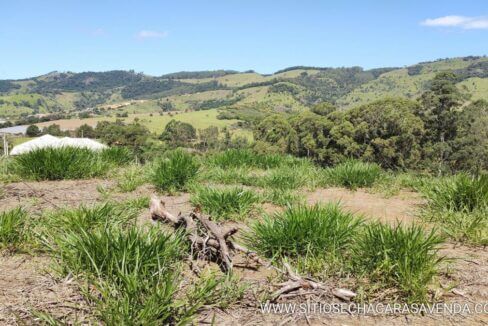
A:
[15, 130]
[51, 141]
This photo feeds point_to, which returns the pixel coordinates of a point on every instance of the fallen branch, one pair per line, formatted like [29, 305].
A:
[212, 241]
[296, 282]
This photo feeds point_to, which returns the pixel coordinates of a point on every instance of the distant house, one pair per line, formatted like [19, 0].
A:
[54, 142]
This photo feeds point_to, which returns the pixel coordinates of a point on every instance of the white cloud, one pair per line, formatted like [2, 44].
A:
[145, 34]
[457, 21]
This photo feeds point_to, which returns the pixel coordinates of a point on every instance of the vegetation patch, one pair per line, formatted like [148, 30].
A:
[13, 228]
[460, 205]
[401, 257]
[64, 163]
[235, 158]
[353, 174]
[323, 233]
[225, 204]
[174, 171]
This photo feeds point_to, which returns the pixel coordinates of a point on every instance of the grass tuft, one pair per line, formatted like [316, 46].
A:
[225, 204]
[353, 174]
[13, 228]
[175, 171]
[459, 193]
[402, 257]
[302, 230]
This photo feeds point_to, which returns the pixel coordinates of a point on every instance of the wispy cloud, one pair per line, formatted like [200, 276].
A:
[98, 32]
[464, 22]
[146, 34]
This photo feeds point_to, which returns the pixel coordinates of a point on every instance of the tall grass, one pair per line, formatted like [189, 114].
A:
[225, 204]
[402, 257]
[459, 193]
[117, 155]
[460, 205]
[353, 174]
[131, 178]
[133, 274]
[64, 163]
[174, 171]
[302, 230]
[234, 158]
[13, 228]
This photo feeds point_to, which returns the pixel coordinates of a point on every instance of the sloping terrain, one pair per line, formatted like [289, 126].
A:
[294, 88]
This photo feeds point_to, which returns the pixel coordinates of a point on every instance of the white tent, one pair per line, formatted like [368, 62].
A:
[82, 143]
[51, 141]
[40, 142]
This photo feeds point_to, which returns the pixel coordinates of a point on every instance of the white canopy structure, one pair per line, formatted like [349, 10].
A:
[51, 141]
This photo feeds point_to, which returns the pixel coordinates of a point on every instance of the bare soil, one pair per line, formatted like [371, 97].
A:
[26, 282]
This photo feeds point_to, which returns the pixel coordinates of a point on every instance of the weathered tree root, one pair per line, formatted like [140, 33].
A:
[207, 238]
[211, 241]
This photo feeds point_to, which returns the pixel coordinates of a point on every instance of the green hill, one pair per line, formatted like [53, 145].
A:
[294, 88]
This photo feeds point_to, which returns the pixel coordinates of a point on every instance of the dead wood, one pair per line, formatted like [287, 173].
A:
[212, 241]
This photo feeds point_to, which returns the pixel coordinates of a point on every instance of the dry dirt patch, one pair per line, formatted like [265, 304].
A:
[402, 207]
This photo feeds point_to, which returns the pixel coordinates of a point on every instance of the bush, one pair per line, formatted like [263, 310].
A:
[225, 204]
[175, 171]
[65, 163]
[460, 193]
[301, 231]
[402, 257]
[12, 228]
[353, 174]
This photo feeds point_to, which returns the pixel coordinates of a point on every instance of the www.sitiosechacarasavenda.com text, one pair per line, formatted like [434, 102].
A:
[319, 308]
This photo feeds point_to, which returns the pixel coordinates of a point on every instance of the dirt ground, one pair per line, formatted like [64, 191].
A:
[26, 283]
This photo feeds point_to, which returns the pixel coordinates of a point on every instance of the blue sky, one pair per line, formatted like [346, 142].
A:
[157, 37]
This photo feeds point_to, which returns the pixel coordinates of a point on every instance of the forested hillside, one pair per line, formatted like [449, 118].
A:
[290, 89]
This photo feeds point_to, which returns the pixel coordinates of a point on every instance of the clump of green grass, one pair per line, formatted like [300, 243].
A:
[282, 197]
[234, 158]
[459, 193]
[117, 155]
[353, 174]
[175, 171]
[225, 204]
[285, 178]
[59, 223]
[13, 228]
[402, 257]
[226, 176]
[134, 272]
[460, 205]
[131, 178]
[301, 231]
[62, 163]
[228, 289]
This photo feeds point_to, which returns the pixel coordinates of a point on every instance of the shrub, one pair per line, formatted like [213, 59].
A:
[225, 204]
[62, 163]
[353, 174]
[402, 257]
[302, 230]
[13, 230]
[175, 171]
[460, 193]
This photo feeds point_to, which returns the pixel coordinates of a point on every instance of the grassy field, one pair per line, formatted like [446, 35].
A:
[291, 213]
[155, 123]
